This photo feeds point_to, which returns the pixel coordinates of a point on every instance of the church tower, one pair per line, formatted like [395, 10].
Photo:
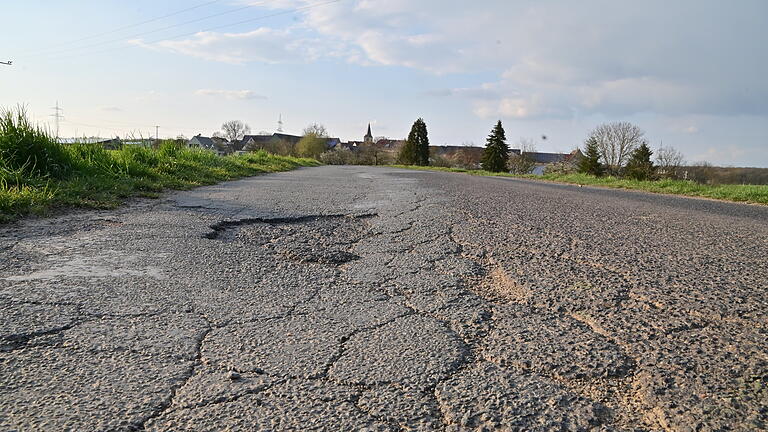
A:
[368, 138]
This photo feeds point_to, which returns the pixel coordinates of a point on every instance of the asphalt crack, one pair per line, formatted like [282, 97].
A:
[166, 405]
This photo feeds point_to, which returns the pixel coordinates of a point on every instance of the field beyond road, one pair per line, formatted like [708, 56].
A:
[362, 298]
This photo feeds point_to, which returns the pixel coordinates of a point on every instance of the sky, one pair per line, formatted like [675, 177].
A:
[690, 73]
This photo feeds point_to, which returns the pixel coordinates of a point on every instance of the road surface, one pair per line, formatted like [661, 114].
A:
[358, 298]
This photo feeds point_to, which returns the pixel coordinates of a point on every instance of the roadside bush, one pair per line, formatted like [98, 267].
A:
[338, 157]
[561, 168]
[141, 155]
[92, 158]
[311, 146]
[29, 149]
[439, 161]
[520, 164]
[170, 148]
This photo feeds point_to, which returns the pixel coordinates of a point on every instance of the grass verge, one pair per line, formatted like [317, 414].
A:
[38, 175]
[756, 194]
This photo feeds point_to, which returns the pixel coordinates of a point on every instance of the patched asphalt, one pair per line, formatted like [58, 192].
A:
[377, 299]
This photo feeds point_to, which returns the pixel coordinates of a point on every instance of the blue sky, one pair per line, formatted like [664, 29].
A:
[690, 73]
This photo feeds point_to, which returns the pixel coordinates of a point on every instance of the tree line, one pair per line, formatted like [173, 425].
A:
[618, 149]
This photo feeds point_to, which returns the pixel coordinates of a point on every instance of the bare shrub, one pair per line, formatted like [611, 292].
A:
[668, 162]
[523, 163]
[338, 157]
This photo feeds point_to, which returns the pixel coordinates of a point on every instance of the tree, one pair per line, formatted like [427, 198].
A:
[370, 154]
[524, 162]
[311, 146]
[317, 130]
[702, 172]
[668, 162]
[496, 152]
[234, 130]
[314, 142]
[590, 163]
[468, 157]
[616, 141]
[639, 166]
[416, 148]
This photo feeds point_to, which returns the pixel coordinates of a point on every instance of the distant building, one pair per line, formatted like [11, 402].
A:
[252, 142]
[390, 144]
[332, 143]
[291, 139]
[368, 138]
[218, 145]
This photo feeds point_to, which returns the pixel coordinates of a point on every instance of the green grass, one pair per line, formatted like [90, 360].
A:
[38, 176]
[757, 194]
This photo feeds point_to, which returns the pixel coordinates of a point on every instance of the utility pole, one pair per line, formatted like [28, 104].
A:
[57, 116]
[157, 134]
[8, 63]
[280, 124]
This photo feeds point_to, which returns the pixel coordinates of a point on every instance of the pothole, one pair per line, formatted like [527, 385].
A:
[322, 239]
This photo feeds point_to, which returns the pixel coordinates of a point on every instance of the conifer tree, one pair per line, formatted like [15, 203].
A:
[590, 163]
[416, 148]
[640, 166]
[496, 152]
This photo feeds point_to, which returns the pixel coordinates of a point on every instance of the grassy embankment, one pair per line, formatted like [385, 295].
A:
[37, 175]
[738, 193]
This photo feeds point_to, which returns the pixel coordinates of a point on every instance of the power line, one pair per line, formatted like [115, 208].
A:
[122, 124]
[285, 12]
[119, 29]
[123, 127]
[259, 18]
[127, 38]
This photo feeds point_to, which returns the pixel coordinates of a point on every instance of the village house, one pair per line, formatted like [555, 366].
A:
[383, 149]
[218, 145]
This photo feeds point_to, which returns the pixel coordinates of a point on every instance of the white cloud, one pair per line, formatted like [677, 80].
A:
[230, 94]
[261, 45]
[551, 59]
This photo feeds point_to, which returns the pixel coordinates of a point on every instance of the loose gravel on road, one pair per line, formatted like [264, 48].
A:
[376, 299]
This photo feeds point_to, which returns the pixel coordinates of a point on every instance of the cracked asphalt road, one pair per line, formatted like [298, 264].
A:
[355, 298]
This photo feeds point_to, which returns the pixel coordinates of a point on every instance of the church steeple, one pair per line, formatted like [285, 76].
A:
[368, 139]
